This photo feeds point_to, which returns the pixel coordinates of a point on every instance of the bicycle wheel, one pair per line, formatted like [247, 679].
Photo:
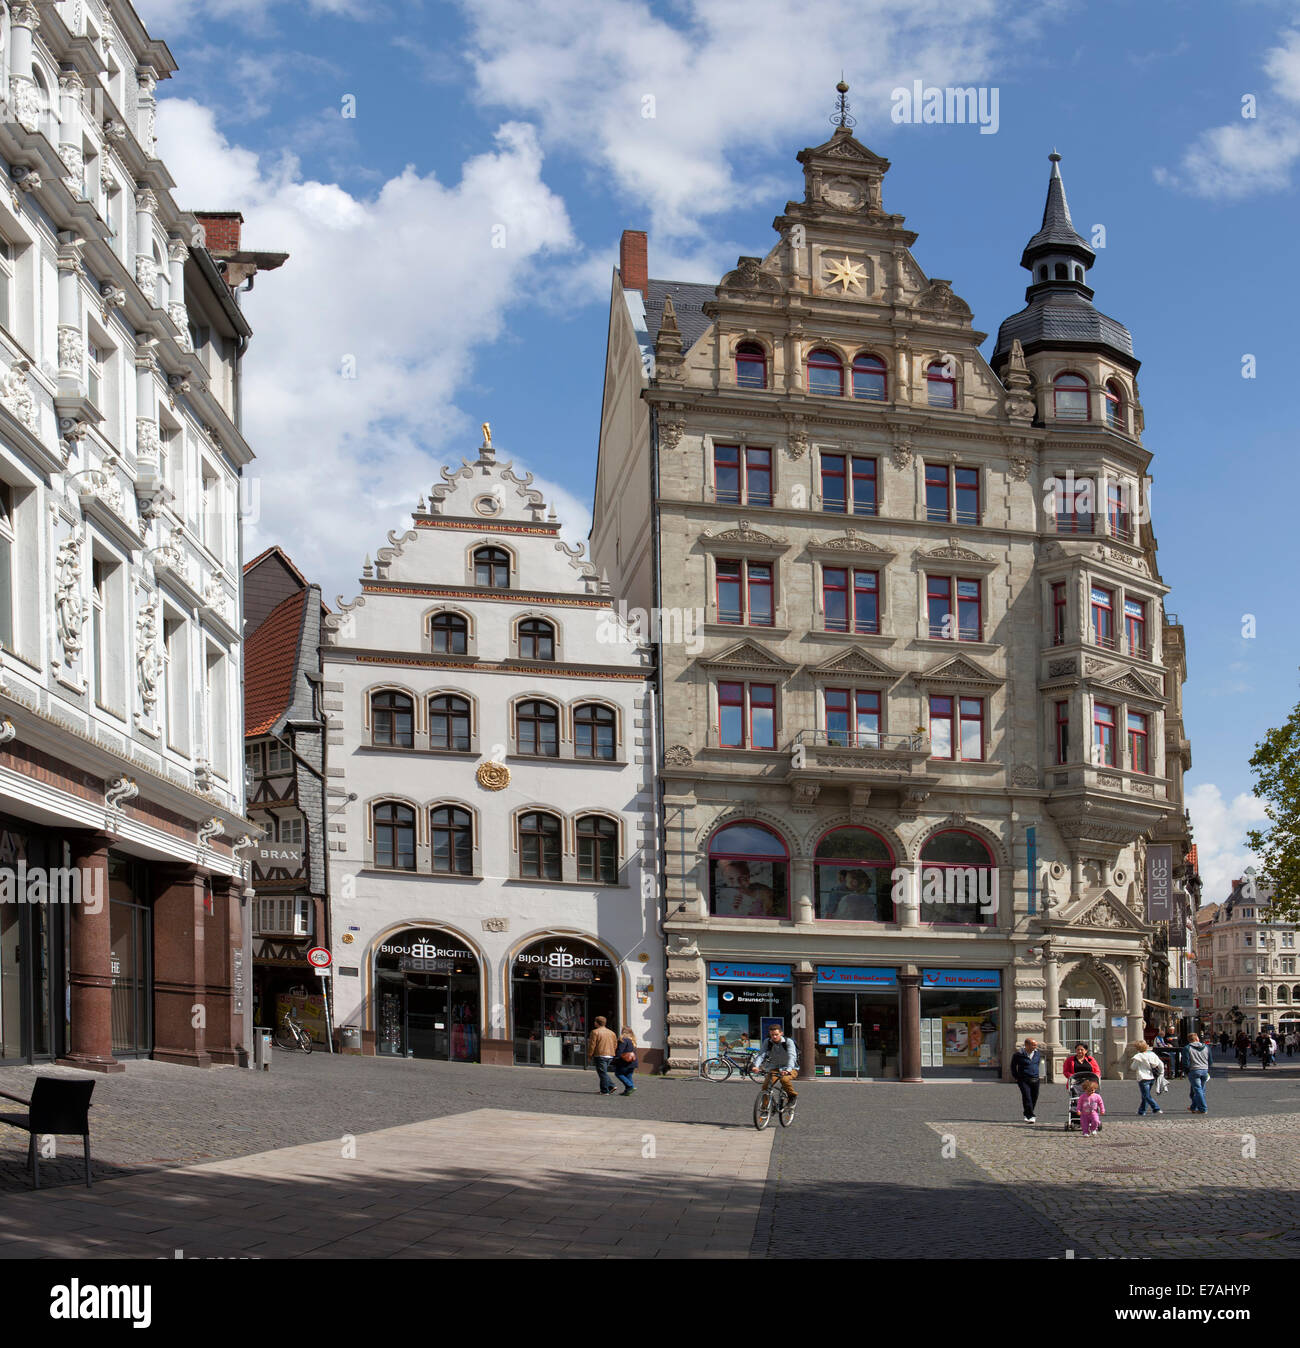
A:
[786, 1112]
[304, 1041]
[286, 1039]
[762, 1110]
[717, 1069]
[748, 1071]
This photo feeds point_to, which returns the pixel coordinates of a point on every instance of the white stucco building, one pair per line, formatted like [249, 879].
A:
[492, 821]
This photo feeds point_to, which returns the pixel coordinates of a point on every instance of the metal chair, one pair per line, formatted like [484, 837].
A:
[58, 1107]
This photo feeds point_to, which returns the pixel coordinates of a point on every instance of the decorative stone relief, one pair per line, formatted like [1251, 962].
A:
[146, 275]
[149, 664]
[496, 924]
[69, 603]
[493, 776]
[797, 444]
[679, 756]
[17, 396]
[670, 432]
[1024, 775]
[1057, 669]
[900, 454]
[70, 348]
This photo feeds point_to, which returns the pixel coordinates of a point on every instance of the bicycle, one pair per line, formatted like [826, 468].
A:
[774, 1099]
[728, 1062]
[291, 1034]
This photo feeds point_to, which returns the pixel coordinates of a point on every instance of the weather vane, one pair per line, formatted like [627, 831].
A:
[840, 117]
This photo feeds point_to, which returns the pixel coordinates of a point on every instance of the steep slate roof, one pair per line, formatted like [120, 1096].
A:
[688, 296]
[1058, 230]
[271, 663]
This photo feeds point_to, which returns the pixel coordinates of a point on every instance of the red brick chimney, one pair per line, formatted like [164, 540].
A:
[220, 230]
[632, 264]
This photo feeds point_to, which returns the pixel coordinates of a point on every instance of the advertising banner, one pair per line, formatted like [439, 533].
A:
[745, 972]
[853, 975]
[1160, 882]
[961, 978]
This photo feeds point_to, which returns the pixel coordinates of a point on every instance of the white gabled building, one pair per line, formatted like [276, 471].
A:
[492, 823]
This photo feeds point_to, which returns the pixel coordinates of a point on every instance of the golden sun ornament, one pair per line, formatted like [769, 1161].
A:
[846, 273]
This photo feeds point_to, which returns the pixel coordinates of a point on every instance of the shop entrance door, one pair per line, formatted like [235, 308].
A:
[427, 1035]
[131, 969]
[856, 1034]
[565, 1040]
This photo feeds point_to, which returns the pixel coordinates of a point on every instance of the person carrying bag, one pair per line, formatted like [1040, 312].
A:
[625, 1059]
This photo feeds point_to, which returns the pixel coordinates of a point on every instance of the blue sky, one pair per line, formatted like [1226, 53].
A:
[528, 113]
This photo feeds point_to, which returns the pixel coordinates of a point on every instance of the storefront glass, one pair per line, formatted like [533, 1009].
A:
[426, 997]
[559, 987]
[1083, 1015]
[960, 1020]
[745, 1000]
[855, 1018]
[853, 873]
[32, 939]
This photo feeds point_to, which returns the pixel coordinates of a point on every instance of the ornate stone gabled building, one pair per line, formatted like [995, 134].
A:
[914, 749]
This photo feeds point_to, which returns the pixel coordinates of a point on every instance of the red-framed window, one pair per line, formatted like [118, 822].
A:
[751, 366]
[852, 718]
[1103, 618]
[742, 475]
[745, 592]
[940, 385]
[870, 379]
[748, 872]
[850, 599]
[1135, 626]
[747, 715]
[960, 866]
[969, 611]
[966, 483]
[1074, 505]
[1117, 510]
[853, 870]
[849, 483]
[825, 373]
[1062, 732]
[957, 728]
[1114, 407]
[1070, 400]
[1103, 734]
[865, 481]
[1138, 759]
[937, 501]
[835, 483]
[1059, 610]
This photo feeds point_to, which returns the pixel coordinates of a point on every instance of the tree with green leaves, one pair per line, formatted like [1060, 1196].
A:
[1276, 765]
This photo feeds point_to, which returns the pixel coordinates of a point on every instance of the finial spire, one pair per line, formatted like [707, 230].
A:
[840, 117]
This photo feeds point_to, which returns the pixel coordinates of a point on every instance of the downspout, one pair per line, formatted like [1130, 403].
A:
[657, 694]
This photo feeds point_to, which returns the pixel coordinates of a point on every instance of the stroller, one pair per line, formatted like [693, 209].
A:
[1075, 1089]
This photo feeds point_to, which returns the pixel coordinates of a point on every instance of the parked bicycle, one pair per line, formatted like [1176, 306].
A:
[291, 1034]
[730, 1061]
[774, 1099]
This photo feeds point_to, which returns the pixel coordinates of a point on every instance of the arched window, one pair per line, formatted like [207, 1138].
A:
[392, 720]
[449, 634]
[597, 849]
[536, 639]
[869, 378]
[539, 846]
[825, 373]
[1114, 406]
[451, 835]
[394, 828]
[748, 873]
[1282, 993]
[1295, 993]
[940, 384]
[1042, 272]
[1062, 272]
[594, 732]
[958, 880]
[449, 723]
[537, 729]
[1078, 272]
[1070, 398]
[492, 568]
[853, 876]
[751, 366]
[1263, 996]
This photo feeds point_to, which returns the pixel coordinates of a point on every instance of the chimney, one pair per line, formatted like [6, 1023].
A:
[220, 230]
[632, 265]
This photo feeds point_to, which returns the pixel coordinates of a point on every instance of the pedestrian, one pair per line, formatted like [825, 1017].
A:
[625, 1060]
[1196, 1063]
[1243, 1048]
[1091, 1108]
[1026, 1063]
[1081, 1061]
[1149, 1069]
[1292, 1042]
[1224, 1042]
[1262, 1042]
[602, 1043]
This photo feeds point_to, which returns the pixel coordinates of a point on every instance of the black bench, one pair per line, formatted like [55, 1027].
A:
[57, 1107]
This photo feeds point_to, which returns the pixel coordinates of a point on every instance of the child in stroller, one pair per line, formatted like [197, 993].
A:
[1076, 1085]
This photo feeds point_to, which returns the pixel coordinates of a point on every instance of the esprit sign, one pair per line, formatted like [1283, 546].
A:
[1160, 865]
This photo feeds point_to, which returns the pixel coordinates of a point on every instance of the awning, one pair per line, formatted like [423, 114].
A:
[1164, 1006]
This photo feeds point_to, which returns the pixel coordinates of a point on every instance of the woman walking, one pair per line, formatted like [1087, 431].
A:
[1148, 1068]
[625, 1059]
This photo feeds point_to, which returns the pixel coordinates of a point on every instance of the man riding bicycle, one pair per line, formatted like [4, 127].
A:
[778, 1060]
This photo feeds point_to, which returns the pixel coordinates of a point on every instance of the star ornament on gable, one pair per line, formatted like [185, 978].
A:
[847, 274]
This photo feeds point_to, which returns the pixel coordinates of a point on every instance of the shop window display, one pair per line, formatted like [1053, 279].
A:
[958, 881]
[748, 873]
[853, 877]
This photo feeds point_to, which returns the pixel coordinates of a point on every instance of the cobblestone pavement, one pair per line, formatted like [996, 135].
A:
[867, 1170]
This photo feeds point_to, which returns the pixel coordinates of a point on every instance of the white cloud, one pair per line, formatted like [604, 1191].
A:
[1220, 831]
[405, 287]
[726, 80]
[1251, 154]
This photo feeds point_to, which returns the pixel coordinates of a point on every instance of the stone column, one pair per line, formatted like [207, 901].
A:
[23, 22]
[1076, 877]
[146, 271]
[909, 1024]
[146, 83]
[1052, 1047]
[72, 344]
[90, 977]
[177, 251]
[802, 909]
[222, 939]
[909, 907]
[71, 90]
[806, 1034]
[148, 441]
[179, 997]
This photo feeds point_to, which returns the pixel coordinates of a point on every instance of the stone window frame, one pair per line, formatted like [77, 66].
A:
[557, 636]
[476, 833]
[367, 718]
[419, 823]
[471, 630]
[471, 566]
[471, 700]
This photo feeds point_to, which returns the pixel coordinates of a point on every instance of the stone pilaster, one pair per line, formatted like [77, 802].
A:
[90, 975]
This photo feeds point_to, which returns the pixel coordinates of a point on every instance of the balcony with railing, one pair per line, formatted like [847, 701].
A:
[866, 756]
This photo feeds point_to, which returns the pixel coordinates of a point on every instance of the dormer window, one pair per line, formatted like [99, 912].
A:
[1070, 398]
[492, 568]
[751, 366]
[825, 373]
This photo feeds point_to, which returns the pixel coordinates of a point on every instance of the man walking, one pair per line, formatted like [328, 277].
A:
[1196, 1063]
[1026, 1063]
[602, 1044]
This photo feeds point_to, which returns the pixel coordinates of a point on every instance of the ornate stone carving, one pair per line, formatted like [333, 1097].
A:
[116, 795]
[27, 104]
[803, 796]
[954, 552]
[679, 756]
[170, 556]
[146, 275]
[670, 432]
[496, 924]
[1103, 915]
[748, 275]
[1111, 783]
[70, 348]
[938, 298]
[69, 603]
[101, 484]
[1024, 775]
[148, 443]
[148, 662]
[900, 454]
[1020, 467]
[114, 130]
[1142, 788]
[797, 444]
[746, 534]
[180, 318]
[1058, 669]
[1018, 404]
[214, 828]
[850, 541]
[75, 178]
[113, 297]
[493, 776]
[17, 396]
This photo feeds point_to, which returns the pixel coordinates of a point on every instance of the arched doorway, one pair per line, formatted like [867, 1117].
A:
[1083, 1014]
[559, 985]
[426, 996]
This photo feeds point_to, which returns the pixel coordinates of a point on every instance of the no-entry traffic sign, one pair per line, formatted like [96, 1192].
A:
[319, 958]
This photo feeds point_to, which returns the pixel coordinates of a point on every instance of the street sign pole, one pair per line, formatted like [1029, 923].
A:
[320, 959]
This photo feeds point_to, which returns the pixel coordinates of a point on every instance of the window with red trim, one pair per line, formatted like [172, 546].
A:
[853, 873]
[969, 624]
[1058, 613]
[747, 715]
[937, 504]
[957, 728]
[967, 492]
[1103, 618]
[852, 718]
[742, 475]
[1103, 735]
[1135, 624]
[825, 373]
[745, 592]
[1070, 398]
[865, 499]
[1114, 407]
[751, 366]
[1117, 510]
[1137, 742]
[958, 880]
[835, 485]
[1062, 732]
[1074, 505]
[940, 385]
[864, 615]
[869, 378]
[748, 872]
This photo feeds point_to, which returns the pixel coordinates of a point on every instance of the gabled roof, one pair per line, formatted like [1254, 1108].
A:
[271, 656]
[282, 557]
